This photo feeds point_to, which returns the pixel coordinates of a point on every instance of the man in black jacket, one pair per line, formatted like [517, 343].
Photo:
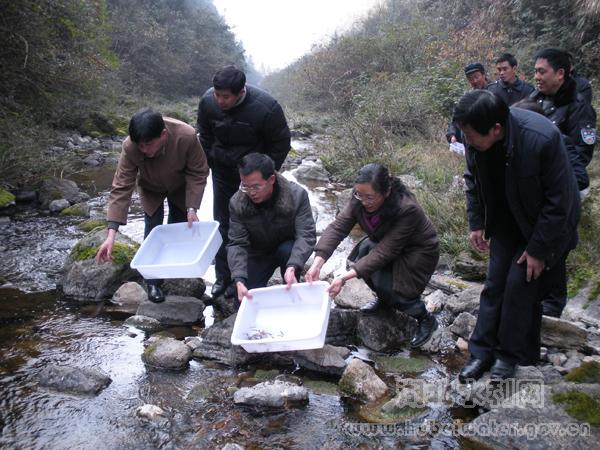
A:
[235, 119]
[575, 117]
[509, 87]
[271, 225]
[522, 196]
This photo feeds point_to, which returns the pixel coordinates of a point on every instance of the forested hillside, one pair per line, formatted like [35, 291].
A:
[64, 62]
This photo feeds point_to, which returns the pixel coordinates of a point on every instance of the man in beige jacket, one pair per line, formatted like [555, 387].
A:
[167, 160]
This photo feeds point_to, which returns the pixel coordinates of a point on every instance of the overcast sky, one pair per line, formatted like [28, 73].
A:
[277, 32]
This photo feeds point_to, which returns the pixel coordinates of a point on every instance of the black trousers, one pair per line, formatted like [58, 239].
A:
[224, 186]
[261, 267]
[381, 282]
[176, 215]
[510, 309]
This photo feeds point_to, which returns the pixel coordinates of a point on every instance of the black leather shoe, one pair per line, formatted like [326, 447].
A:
[425, 329]
[155, 294]
[473, 370]
[501, 370]
[372, 307]
[218, 288]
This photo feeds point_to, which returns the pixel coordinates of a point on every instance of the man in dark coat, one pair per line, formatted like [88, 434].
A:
[568, 109]
[270, 226]
[583, 85]
[522, 196]
[234, 120]
[509, 86]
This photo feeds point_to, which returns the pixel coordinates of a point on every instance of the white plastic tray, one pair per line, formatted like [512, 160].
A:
[176, 251]
[281, 320]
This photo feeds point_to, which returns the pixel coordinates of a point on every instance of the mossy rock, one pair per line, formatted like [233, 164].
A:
[265, 375]
[98, 124]
[321, 386]
[78, 210]
[580, 406]
[122, 254]
[588, 372]
[6, 199]
[397, 364]
[91, 224]
[56, 195]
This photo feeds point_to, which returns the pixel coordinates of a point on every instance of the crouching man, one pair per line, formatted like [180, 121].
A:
[270, 226]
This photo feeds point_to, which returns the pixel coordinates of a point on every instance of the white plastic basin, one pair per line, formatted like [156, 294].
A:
[176, 251]
[276, 319]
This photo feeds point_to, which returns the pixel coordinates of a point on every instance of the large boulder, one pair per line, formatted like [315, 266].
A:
[441, 342]
[85, 280]
[59, 205]
[129, 297]
[57, 188]
[341, 329]
[354, 294]
[175, 310]
[216, 344]
[360, 380]
[311, 170]
[74, 380]
[185, 287]
[466, 300]
[562, 334]
[463, 325]
[386, 331]
[581, 309]
[329, 360]
[272, 394]
[469, 268]
[167, 353]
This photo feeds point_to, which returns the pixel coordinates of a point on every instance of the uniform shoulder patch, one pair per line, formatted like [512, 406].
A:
[588, 135]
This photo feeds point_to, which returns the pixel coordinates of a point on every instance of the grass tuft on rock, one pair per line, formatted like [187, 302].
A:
[6, 198]
[588, 372]
[122, 254]
[580, 406]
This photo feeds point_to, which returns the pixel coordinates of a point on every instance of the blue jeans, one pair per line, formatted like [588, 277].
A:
[176, 215]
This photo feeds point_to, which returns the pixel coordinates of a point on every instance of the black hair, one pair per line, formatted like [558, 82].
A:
[230, 78]
[146, 125]
[509, 58]
[557, 59]
[530, 105]
[257, 161]
[481, 110]
[376, 175]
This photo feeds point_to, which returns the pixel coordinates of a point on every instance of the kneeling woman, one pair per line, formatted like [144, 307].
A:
[396, 258]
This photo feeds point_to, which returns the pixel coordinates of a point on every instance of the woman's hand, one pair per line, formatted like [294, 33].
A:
[315, 269]
[336, 286]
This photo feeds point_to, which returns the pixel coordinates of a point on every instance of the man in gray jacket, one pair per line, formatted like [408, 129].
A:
[270, 225]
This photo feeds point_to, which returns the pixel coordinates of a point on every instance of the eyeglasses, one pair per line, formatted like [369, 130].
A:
[254, 188]
[367, 199]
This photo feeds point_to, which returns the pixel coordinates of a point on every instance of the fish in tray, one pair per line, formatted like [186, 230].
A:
[256, 334]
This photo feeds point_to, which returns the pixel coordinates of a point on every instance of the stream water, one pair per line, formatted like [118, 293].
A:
[37, 328]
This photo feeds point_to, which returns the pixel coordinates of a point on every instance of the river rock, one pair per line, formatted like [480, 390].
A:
[354, 294]
[78, 210]
[341, 329]
[231, 446]
[144, 323]
[441, 342]
[562, 334]
[130, 293]
[541, 426]
[152, 414]
[185, 287]
[93, 160]
[311, 170]
[7, 201]
[193, 342]
[448, 285]
[435, 301]
[216, 344]
[167, 353]
[416, 393]
[329, 360]
[464, 301]
[175, 310]
[57, 206]
[56, 188]
[272, 394]
[386, 331]
[360, 380]
[463, 325]
[85, 280]
[469, 268]
[581, 309]
[74, 380]
[25, 196]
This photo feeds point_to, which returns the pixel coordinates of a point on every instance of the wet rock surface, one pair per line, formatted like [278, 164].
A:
[74, 380]
[175, 310]
[272, 394]
[388, 330]
[167, 353]
[360, 380]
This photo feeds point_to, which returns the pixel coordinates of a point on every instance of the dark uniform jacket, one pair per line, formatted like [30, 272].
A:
[405, 237]
[540, 186]
[583, 86]
[260, 229]
[573, 115]
[177, 171]
[511, 93]
[257, 124]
